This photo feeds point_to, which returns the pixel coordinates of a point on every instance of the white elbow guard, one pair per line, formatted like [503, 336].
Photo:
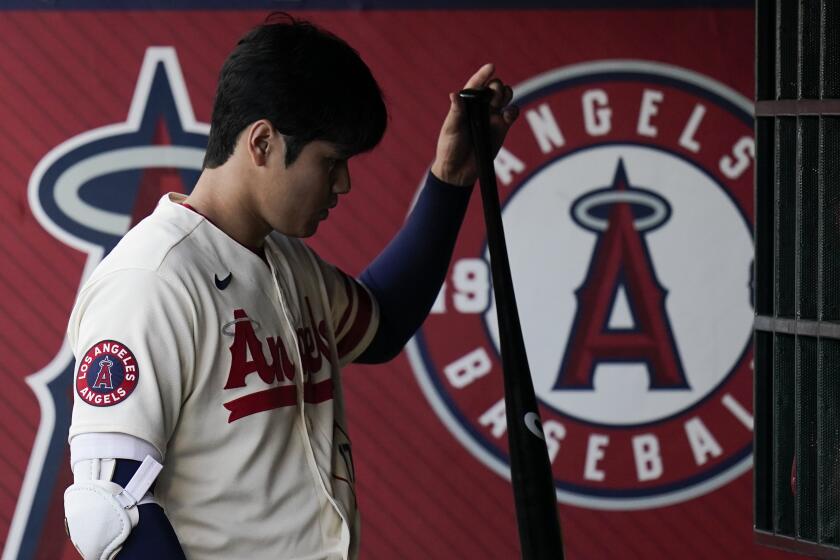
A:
[100, 514]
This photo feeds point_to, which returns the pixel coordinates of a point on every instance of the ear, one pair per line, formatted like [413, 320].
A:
[262, 140]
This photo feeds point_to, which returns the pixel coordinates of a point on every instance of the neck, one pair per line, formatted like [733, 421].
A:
[223, 197]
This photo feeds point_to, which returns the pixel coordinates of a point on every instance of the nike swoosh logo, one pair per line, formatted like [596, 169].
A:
[532, 422]
[222, 284]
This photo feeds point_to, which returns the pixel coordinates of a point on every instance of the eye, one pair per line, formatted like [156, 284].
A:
[335, 163]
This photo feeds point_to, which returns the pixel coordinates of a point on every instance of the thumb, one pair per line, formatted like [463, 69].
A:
[456, 105]
[455, 115]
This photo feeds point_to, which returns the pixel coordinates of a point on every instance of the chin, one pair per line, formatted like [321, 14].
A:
[309, 231]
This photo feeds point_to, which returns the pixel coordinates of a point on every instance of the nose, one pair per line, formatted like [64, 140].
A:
[341, 182]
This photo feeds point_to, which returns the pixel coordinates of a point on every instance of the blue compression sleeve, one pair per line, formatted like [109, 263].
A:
[406, 276]
[154, 536]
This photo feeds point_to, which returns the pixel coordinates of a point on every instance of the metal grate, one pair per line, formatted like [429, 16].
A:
[831, 220]
[808, 201]
[787, 51]
[785, 265]
[764, 207]
[809, 51]
[806, 437]
[763, 446]
[784, 392]
[831, 49]
[797, 275]
[828, 442]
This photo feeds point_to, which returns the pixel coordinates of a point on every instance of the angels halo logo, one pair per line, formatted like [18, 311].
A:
[627, 201]
[87, 192]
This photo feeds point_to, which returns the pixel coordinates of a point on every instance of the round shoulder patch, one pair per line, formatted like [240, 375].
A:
[107, 374]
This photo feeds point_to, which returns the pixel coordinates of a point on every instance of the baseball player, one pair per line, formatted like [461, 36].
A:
[208, 419]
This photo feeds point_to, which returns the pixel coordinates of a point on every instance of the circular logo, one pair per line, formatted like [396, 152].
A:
[107, 374]
[627, 204]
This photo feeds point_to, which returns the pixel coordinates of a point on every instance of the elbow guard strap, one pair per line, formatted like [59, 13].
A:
[100, 514]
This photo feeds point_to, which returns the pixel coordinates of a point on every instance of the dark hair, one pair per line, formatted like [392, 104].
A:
[310, 84]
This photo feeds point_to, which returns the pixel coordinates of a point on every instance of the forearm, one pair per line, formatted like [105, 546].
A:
[407, 275]
[110, 507]
[154, 536]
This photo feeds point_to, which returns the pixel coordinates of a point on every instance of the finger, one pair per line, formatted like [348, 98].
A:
[508, 95]
[510, 114]
[497, 89]
[481, 77]
[502, 121]
[501, 124]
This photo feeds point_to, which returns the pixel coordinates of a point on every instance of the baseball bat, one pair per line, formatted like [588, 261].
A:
[530, 469]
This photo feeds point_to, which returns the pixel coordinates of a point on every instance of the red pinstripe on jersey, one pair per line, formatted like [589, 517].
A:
[359, 302]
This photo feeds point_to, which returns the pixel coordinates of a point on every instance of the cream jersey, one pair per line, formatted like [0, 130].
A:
[229, 367]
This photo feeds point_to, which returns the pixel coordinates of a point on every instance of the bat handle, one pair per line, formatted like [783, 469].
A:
[477, 106]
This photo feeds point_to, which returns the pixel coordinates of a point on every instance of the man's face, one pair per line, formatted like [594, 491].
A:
[296, 198]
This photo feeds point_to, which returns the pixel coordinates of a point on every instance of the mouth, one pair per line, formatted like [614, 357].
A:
[322, 215]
